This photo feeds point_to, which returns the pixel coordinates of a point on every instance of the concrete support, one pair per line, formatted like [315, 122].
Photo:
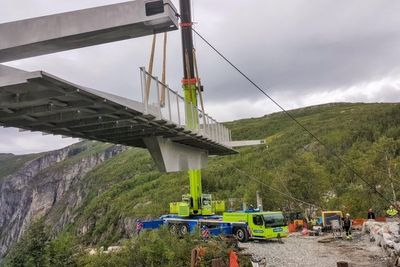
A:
[172, 157]
[82, 28]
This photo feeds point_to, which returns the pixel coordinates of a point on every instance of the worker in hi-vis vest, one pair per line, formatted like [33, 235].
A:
[391, 212]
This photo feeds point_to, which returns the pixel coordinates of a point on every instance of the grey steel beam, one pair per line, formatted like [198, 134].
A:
[94, 122]
[52, 113]
[117, 139]
[107, 126]
[89, 124]
[43, 109]
[128, 133]
[14, 100]
[82, 28]
[76, 115]
[114, 128]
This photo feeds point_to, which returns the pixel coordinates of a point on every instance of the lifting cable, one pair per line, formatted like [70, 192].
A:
[163, 76]
[199, 87]
[150, 69]
[164, 67]
[330, 151]
[274, 189]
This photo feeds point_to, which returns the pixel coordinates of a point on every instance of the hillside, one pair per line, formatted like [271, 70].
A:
[10, 163]
[121, 187]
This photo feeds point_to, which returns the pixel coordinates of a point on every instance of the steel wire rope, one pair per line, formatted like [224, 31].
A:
[330, 151]
[274, 189]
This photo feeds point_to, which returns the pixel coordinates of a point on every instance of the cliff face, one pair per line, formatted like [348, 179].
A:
[41, 184]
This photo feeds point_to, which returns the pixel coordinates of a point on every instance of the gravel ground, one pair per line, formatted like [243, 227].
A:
[307, 251]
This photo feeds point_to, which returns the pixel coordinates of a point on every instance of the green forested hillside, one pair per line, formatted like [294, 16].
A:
[10, 163]
[365, 135]
[130, 186]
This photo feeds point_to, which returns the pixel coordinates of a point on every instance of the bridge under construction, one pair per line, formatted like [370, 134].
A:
[175, 129]
[177, 133]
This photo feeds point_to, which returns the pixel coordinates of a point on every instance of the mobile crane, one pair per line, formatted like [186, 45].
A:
[194, 203]
[197, 210]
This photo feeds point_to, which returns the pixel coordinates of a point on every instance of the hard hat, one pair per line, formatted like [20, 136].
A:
[347, 214]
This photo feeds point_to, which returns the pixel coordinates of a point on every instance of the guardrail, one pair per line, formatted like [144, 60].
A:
[161, 101]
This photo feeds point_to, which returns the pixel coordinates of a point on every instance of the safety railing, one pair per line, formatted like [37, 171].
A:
[161, 101]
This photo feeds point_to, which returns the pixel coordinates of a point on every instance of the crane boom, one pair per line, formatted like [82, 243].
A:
[190, 94]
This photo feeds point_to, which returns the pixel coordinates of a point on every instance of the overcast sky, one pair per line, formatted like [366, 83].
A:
[302, 52]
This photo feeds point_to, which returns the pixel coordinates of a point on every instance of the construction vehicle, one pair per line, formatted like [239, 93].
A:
[295, 220]
[244, 225]
[260, 225]
[197, 210]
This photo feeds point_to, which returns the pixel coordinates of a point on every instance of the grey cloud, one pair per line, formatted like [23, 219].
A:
[388, 93]
[285, 46]
[292, 48]
[299, 47]
[13, 141]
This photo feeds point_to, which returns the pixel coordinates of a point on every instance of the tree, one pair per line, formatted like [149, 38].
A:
[61, 251]
[306, 178]
[378, 164]
[381, 167]
[31, 249]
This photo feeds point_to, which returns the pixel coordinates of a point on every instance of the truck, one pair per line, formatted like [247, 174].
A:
[244, 225]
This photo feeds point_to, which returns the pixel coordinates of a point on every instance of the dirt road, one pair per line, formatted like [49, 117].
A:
[307, 251]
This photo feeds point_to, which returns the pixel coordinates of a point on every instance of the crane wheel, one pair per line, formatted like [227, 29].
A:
[173, 228]
[183, 229]
[242, 235]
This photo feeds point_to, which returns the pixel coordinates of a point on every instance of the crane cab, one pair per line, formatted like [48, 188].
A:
[260, 225]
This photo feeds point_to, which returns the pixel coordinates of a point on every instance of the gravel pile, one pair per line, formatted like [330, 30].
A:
[307, 251]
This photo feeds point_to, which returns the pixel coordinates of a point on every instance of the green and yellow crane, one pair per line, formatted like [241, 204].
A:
[197, 210]
[194, 203]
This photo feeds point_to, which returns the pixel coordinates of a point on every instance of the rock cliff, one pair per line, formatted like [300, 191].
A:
[39, 185]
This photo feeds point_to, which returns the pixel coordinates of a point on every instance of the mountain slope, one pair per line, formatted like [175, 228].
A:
[112, 194]
[293, 163]
[10, 163]
[41, 183]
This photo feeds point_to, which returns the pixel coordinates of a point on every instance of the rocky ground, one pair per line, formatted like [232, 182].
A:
[307, 251]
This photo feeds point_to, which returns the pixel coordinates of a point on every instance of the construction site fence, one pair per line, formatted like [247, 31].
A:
[161, 101]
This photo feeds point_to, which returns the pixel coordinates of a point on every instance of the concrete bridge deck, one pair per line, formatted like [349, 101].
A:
[38, 101]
